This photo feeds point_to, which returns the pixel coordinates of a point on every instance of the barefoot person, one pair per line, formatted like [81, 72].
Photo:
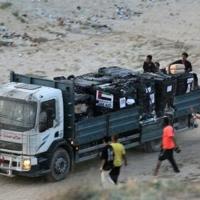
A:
[119, 157]
[107, 158]
[167, 147]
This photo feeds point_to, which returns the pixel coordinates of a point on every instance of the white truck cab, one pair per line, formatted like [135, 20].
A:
[31, 119]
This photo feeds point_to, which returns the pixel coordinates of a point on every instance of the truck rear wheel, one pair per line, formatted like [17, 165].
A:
[60, 165]
[152, 146]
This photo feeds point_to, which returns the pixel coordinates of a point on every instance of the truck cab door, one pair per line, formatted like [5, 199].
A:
[50, 126]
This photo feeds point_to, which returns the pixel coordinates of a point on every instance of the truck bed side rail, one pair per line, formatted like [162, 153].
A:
[187, 103]
[19, 78]
[113, 123]
[151, 131]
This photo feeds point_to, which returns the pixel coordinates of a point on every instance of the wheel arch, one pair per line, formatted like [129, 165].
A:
[64, 145]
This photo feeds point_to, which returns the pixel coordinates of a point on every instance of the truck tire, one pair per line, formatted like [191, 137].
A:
[152, 146]
[60, 165]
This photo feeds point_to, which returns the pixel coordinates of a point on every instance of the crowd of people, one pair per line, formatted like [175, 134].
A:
[113, 154]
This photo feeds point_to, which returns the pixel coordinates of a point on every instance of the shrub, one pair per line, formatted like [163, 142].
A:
[5, 5]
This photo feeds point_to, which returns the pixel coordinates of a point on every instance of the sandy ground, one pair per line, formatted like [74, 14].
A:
[140, 167]
[95, 34]
[63, 37]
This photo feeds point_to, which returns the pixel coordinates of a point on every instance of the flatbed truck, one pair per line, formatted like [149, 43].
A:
[40, 137]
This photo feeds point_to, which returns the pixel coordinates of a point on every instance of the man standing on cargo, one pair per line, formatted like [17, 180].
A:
[185, 62]
[168, 146]
[119, 157]
[107, 159]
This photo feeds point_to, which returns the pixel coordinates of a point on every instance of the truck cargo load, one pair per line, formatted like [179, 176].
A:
[165, 88]
[60, 128]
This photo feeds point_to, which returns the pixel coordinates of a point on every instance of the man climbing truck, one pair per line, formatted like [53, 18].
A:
[40, 135]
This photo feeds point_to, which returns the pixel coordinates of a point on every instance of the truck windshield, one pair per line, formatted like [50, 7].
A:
[17, 115]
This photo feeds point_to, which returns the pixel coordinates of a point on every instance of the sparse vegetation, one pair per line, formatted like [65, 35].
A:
[156, 190]
[16, 13]
[5, 43]
[5, 5]
[19, 17]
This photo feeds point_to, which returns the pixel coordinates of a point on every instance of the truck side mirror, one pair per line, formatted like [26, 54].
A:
[43, 121]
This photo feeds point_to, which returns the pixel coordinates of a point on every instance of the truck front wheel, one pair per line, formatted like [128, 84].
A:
[59, 166]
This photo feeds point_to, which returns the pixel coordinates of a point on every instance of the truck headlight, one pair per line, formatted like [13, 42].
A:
[26, 164]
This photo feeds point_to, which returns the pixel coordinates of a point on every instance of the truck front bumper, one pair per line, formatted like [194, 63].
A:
[11, 165]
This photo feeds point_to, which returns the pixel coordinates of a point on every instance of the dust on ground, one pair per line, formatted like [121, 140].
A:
[63, 37]
[140, 168]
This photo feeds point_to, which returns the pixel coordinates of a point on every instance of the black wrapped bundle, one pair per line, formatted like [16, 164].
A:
[115, 96]
[86, 82]
[184, 83]
[146, 95]
[165, 88]
[116, 72]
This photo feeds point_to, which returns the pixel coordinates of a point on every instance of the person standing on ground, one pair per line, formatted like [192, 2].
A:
[107, 158]
[185, 62]
[168, 146]
[119, 157]
[148, 65]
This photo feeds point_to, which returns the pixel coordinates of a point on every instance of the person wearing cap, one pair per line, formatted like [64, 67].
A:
[185, 62]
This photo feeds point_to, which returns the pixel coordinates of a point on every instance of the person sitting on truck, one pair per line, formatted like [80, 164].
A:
[168, 146]
[184, 61]
[119, 156]
[148, 65]
[107, 158]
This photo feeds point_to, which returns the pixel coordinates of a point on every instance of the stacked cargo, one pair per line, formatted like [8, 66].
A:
[121, 93]
[85, 94]
[86, 82]
[117, 72]
[146, 97]
[83, 106]
[165, 87]
[118, 95]
[185, 83]
[114, 88]
[111, 89]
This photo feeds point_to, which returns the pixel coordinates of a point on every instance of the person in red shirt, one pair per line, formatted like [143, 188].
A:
[167, 147]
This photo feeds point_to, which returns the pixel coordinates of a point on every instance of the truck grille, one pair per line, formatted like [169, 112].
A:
[10, 146]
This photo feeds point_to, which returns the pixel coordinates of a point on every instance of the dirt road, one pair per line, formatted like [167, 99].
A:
[63, 37]
[140, 167]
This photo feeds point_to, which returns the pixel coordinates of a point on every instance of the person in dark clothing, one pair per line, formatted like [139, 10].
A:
[107, 159]
[185, 62]
[157, 65]
[148, 65]
[188, 67]
[168, 146]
